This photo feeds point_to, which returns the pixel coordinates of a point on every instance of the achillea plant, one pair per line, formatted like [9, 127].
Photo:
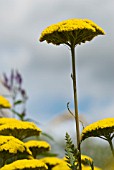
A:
[11, 147]
[16, 93]
[19, 129]
[25, 164]
[4, 103]
[103, 129]
[38, 147]
[51, 161]
[72, 32]
[87, 161]
[16, 153]
[88, 168]
[63, 166]
[4, 120]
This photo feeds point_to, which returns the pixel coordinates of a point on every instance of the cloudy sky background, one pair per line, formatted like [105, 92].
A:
[46, 68]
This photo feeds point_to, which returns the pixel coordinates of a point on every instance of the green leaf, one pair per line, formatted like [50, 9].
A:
[47, 135]
[72, 153]
[18, 102]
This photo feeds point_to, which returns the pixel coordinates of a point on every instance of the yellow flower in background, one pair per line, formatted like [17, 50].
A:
[19, 129]
[38, 144]
[71, 31]
[103, 129]
[4, 120]
[10, 146]
[51, 161]
[61, 166]
[99, 128]
[25, 164]
[86, 160]
[4, 103]
[37, 147]
[89, 168]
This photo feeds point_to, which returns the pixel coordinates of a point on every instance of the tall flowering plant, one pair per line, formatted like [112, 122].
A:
[17, 93]
[72, 32]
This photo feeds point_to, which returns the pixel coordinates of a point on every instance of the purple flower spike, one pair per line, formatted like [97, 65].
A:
[12, 78]
[5, 81]
[5, 78]
[23, 93]
[18, 78]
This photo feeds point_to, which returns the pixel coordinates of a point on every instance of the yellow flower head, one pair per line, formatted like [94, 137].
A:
[20, 129]
[86, 160]
[89, 168]
[38, 144]
[25, 164]
[61, 166]
[99, 128]
[51, 161]
[4, 120]
[71, 32]
[10, 145]
[37, 147]
[4, 103]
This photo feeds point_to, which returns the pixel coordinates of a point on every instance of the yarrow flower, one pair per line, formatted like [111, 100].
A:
[89, 168]
[37, 147]
[86, 160]
[4, 120]
[71, 31]
[100, 128]
[33, 164]
[20, 129]
[61, 166]
[51, 161]
[4, 103]
[10, 146]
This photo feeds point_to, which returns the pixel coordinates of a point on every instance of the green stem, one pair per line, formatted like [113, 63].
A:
[111, 145]
[76, 103]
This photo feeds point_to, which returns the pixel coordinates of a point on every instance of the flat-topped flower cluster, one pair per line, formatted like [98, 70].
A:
[4, 103]
[102, 127]
[71, 31]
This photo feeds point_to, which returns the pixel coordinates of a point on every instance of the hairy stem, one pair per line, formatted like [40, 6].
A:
[76, 103]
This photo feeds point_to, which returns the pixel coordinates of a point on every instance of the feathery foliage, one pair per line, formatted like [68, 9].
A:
[72, 153]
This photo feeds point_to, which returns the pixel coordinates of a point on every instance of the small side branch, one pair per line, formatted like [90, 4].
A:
[82, 124]
[109, 139]
[69, 109]
[101, 137]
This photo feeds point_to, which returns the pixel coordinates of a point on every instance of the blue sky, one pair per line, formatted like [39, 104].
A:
[46, 68]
